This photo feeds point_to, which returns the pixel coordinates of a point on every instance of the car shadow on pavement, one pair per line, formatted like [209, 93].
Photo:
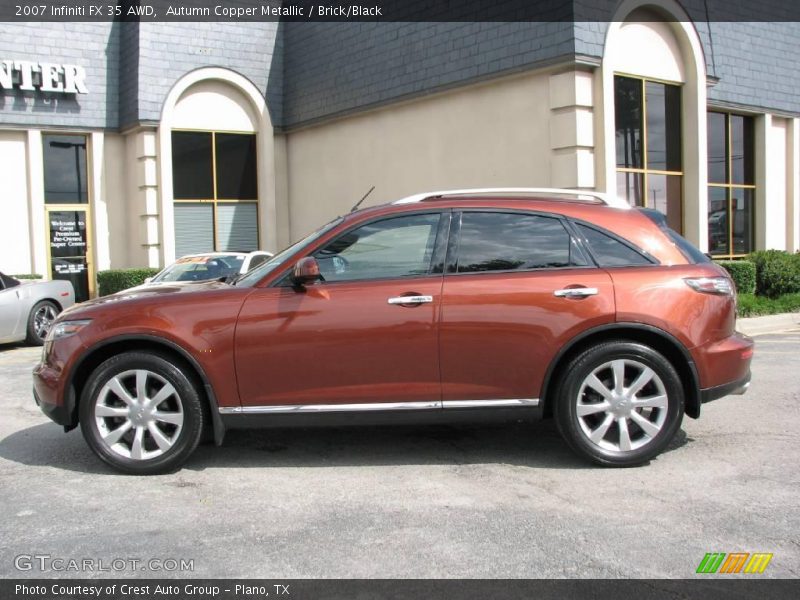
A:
[534, 445]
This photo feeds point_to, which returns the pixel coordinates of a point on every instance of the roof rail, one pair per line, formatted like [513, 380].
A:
[606, 199]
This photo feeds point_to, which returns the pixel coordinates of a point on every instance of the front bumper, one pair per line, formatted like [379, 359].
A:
[60, 408]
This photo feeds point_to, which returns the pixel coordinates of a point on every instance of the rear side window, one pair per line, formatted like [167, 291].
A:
[609, 251]
[513, 241]
[689, 250]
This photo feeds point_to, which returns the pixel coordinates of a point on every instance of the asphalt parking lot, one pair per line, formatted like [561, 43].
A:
[499, 501]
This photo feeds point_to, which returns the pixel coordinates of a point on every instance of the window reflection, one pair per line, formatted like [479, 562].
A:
[397, 247]
[505, 242]
[731, 193]
[65, 178]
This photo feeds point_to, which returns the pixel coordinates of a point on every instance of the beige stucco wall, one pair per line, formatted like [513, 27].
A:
[496, 134]
[15, 224]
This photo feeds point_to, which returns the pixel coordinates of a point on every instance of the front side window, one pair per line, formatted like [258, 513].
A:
[215, 186]
[648, 145]
[512, 241]
[731, 184]
[396, 247]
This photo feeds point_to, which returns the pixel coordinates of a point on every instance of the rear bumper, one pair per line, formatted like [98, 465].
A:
[734, 388]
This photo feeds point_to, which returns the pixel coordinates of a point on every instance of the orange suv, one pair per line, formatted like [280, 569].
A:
[473, 304]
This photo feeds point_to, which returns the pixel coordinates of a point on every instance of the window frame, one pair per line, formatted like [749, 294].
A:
[729, 186]
[215, 201]
[454, 243]
[644, 171]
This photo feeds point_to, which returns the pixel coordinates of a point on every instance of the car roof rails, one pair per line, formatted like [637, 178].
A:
[549, 193]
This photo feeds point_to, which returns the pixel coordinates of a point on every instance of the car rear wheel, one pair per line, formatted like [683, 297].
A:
[40, 319]
[141, 414]
[620, 403]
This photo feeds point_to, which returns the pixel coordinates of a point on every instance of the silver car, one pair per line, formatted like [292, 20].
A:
[28, 309]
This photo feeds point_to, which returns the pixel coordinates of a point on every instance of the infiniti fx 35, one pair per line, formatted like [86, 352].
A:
[473, 304]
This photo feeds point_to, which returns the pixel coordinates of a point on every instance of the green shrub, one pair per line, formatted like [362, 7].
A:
[754, 306]
[777, 272]
[27, 276]
[743, 273]
[115, 280]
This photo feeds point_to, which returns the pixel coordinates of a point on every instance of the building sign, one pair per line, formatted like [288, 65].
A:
[42, 76]
[67, 234]
[68, 248]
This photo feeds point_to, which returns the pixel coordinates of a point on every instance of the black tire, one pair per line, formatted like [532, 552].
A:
[602, 361]
[185, 403]
[39, 321]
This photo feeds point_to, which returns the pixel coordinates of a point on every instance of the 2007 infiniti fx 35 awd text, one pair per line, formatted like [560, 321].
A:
[484, 304]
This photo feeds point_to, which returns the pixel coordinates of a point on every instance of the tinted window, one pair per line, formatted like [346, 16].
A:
[257, 260]
[506, 241]
[236, 166]
[65, 176]
[398, 247]
[609, 251]
[691, 252]
[663, 126]
[628, 110]
[192, 176]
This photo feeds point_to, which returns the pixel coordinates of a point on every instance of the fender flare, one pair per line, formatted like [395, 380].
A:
[216, 421]
[692, 400]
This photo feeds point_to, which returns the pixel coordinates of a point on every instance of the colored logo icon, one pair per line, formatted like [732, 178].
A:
[735, 562]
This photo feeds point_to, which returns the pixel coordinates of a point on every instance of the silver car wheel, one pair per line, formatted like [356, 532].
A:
[43, 320]
[622, 405]
[139, 414]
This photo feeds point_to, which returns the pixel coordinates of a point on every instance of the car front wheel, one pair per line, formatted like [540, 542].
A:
[619, 404]
[141, 414]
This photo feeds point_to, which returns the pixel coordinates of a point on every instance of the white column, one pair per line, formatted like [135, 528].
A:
[793, 187]
[38, 230]
[150, 226]
[572, 129]
[101, 241]
[771, 180]
[695, 160]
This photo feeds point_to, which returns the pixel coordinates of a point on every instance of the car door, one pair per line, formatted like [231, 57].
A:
[517, 288]
[365, 335]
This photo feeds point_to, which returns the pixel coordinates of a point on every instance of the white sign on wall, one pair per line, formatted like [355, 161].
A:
[45, 77]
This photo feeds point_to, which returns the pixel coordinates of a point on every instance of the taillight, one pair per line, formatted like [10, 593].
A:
[711, 285]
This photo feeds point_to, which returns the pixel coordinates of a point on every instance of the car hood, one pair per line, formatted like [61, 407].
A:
[148, 292]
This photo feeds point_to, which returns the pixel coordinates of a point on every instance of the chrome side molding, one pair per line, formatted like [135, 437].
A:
[378, 406]
[510, 403]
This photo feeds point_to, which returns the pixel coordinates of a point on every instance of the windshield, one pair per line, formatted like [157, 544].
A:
[257, 274]
[201, 268]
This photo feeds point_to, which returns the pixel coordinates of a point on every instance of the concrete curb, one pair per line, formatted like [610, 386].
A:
[768, 324]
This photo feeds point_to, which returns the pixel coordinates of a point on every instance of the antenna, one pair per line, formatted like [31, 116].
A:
[364, 197]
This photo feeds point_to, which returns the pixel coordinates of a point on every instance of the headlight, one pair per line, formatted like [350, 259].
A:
[66, 329]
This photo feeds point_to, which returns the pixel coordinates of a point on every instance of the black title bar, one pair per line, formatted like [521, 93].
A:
[384, 10]
[706, 588]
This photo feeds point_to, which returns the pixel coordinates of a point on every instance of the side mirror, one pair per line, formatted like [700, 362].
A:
[148, 279]
[306, 271]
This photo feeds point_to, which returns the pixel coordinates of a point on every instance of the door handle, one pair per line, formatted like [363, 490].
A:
[581, 292]
[410, 300]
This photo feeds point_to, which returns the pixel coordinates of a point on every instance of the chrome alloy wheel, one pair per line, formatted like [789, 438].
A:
[622, 405]
[139, 414]
[43, 320]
